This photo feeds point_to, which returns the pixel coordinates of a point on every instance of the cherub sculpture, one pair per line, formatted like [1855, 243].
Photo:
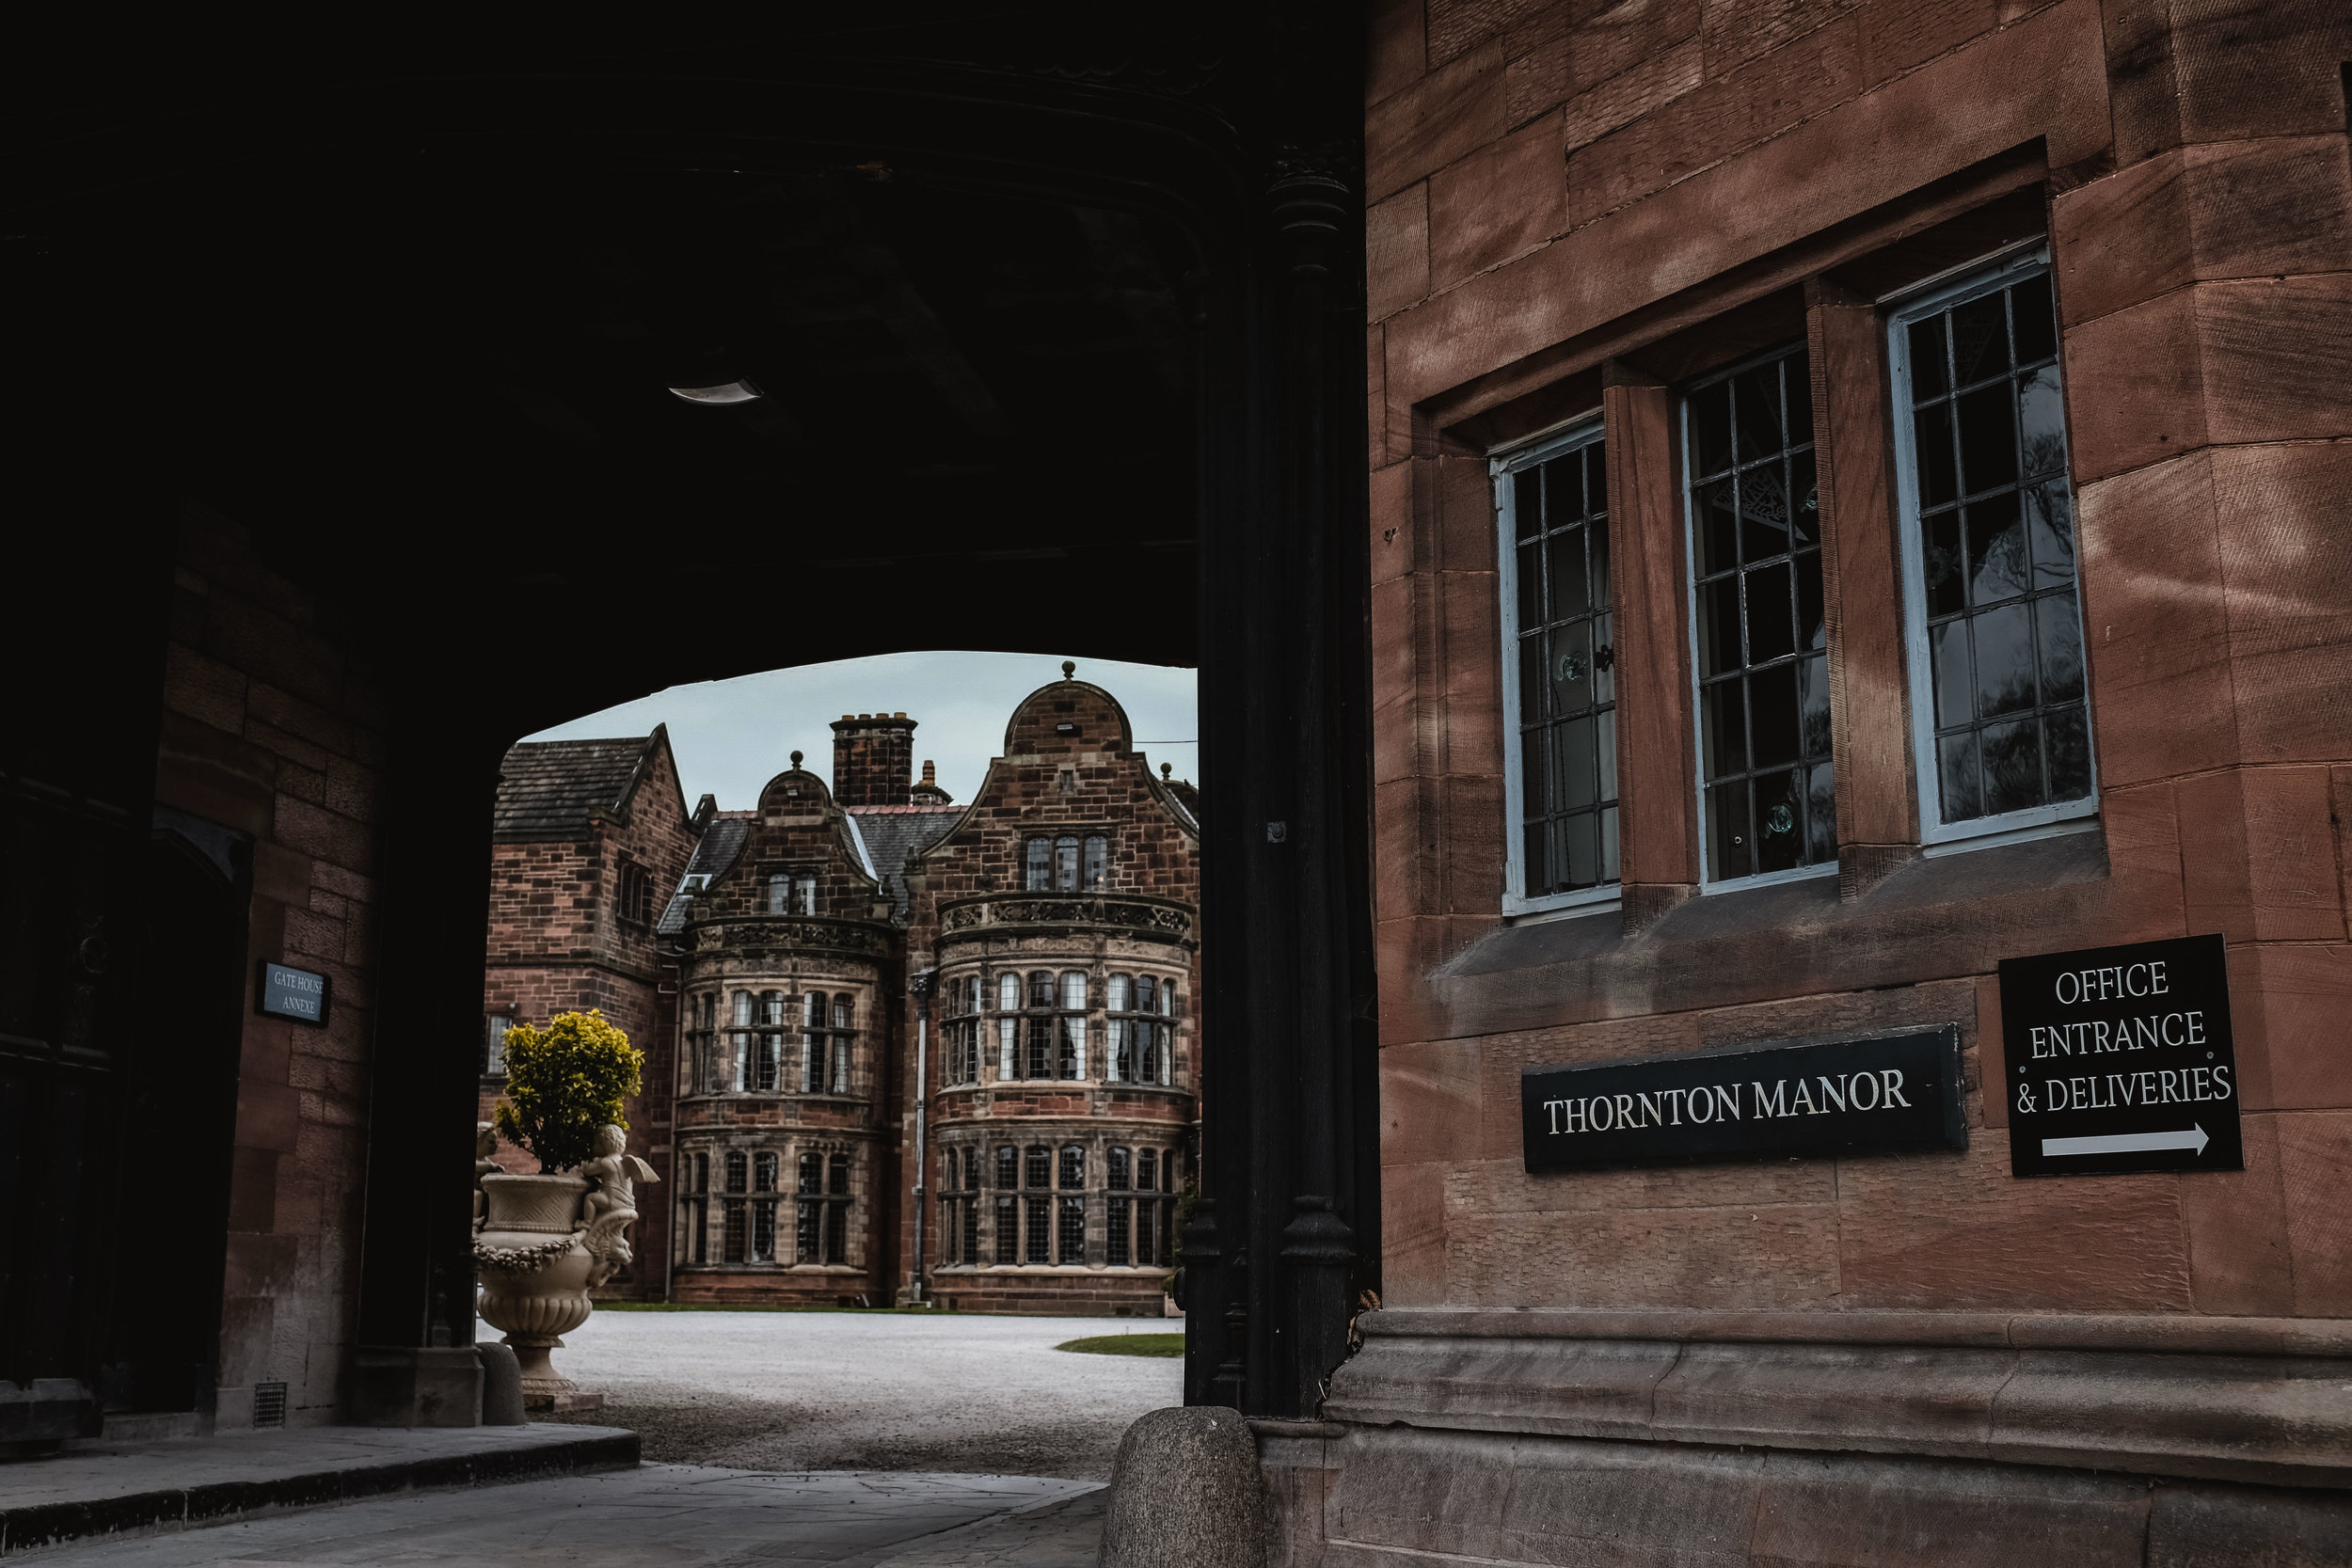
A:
[485, 1148]
[611, 1207]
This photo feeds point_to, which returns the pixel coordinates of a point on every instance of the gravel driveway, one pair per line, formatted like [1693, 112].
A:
[868, 1391]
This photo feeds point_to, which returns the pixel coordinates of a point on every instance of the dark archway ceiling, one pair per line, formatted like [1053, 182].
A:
[405, 308]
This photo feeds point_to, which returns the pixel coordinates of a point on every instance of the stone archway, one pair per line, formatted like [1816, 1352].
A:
[467, 523]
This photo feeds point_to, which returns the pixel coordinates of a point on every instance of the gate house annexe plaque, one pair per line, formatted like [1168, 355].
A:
[295, 993]
[1832, 1097]
[2118, 1059]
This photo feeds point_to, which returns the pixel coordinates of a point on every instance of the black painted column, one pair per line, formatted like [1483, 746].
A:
[1276, 1251]
[1317, 1245]
[415, 1365]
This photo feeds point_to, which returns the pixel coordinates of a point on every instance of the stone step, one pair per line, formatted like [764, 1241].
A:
[115, 1488]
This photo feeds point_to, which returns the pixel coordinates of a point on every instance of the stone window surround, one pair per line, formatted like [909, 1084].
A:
[703, 1207]
[1167, 1142]
[1098, 968]
[1091, 872]
[708, 1024]
[1879, 822]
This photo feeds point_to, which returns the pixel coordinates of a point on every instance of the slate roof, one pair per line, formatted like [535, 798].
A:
[722, 841]
[894, 833]
[1188, 800]
[547, 788]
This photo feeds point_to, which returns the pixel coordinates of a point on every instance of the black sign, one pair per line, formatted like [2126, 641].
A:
[295, 993]
[1829, 1097]
[2118, 1059]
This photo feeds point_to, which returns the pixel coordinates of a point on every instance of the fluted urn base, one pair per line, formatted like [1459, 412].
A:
[534, 1276]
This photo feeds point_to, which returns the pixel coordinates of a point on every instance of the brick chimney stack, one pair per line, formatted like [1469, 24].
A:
[929, 792]
[873, 759]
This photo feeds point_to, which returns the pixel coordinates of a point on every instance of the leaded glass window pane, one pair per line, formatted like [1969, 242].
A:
[1008, 1230]
[1073, 1228]
[1565, 661]
[1066, 865]
[1098, 853]
[1759, 633]
[1040, 865]
[1993, 544]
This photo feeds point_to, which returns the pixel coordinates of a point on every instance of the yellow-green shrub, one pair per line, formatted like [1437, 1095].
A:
[563, 1082]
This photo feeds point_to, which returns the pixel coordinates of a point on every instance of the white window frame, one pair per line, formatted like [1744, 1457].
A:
[1707, 883]
[1936, 836]
[1583, 431]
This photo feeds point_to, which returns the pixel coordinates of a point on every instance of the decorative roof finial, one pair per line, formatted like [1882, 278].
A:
[796, 759]
[1068, 669]
[1167, 770]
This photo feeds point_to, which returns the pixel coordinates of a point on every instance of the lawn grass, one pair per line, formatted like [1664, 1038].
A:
[1127, 1344]
[870, 1311]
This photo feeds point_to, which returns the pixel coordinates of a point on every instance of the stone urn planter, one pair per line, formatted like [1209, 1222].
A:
[542, 1243]
[535, 1270]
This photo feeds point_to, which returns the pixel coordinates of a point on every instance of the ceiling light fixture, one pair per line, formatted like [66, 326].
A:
[724, 393]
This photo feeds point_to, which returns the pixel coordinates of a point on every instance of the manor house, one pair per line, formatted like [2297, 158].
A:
[896, 1048]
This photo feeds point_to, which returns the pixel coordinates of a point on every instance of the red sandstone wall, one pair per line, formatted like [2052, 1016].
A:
[557, 943]
[1553, 186]
[1152, 853]
[267, 732]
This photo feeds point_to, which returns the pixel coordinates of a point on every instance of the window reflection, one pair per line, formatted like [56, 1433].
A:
[1760, 630]
[1567, 681]
[1996, 554]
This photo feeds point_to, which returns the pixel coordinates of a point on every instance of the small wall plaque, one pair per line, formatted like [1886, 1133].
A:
[2120, 1059]
[295, 993]
[1819, 1097]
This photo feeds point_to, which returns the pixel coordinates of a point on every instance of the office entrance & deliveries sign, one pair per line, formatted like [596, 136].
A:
[2118, 1059]
[1820, 1096]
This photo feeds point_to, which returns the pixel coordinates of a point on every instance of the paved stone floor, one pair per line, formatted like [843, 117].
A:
[869, 1391]
[661, 1516]
[851, 1439]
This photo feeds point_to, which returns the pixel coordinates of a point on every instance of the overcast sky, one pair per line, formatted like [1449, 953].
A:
[732, 737]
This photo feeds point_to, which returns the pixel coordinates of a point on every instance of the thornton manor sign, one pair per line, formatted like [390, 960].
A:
[1868, 1096]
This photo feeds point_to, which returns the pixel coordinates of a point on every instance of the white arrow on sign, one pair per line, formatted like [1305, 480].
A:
[2125, 1142]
